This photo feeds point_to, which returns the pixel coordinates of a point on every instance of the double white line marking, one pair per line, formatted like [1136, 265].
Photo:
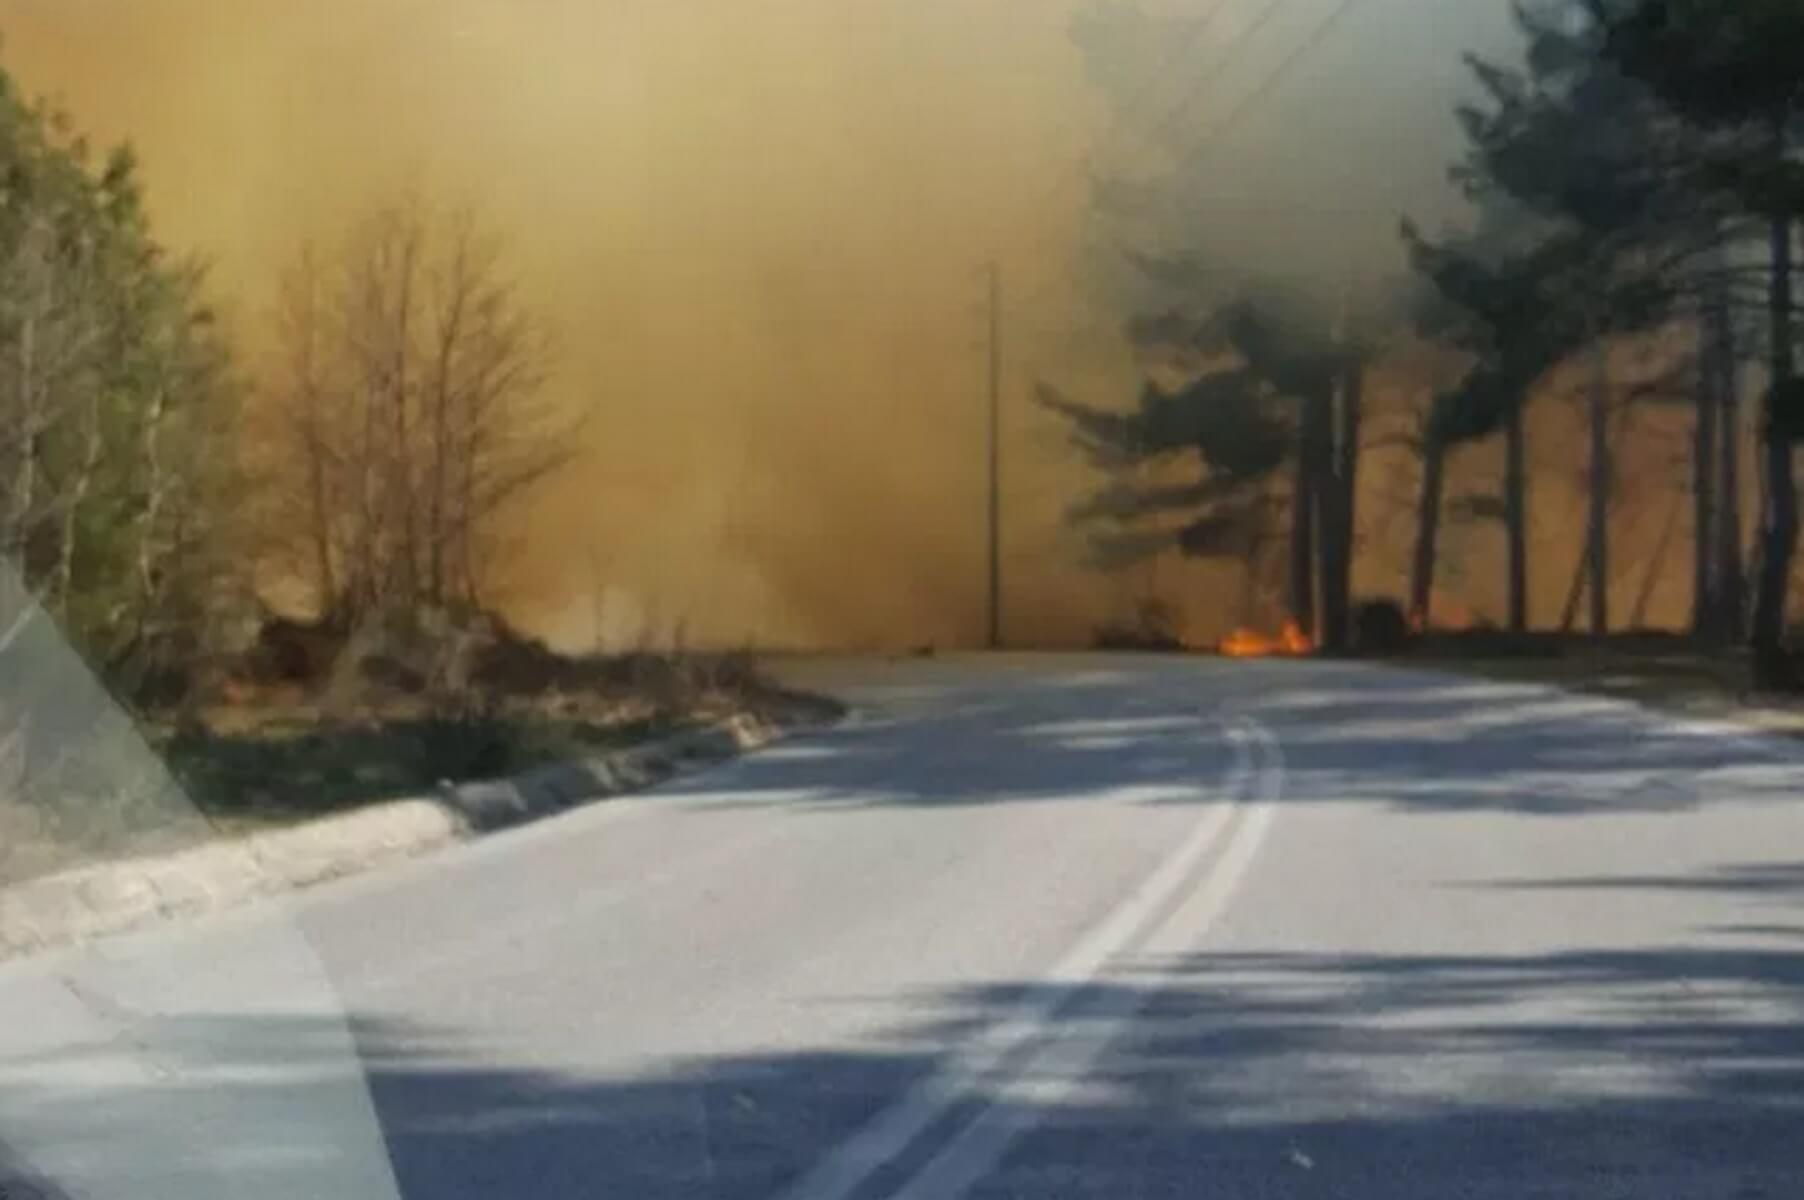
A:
[1153, 920]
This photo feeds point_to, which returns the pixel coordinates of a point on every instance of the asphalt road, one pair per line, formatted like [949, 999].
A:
[1036, 927]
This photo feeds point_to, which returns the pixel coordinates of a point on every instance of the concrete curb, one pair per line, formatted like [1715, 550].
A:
[116, 897]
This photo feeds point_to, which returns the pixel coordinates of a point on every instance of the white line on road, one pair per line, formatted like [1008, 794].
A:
[1052, 1071]
[863, 1154]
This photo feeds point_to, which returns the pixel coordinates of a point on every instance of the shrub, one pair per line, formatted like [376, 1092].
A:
[1379, 627]
[1151, 630]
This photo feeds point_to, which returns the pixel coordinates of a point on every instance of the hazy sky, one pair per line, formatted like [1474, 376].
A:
[758, 231]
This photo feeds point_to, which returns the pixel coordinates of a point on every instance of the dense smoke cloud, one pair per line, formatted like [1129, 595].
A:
[758, 233]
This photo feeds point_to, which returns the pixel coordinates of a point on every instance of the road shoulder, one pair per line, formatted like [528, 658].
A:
[123, 895]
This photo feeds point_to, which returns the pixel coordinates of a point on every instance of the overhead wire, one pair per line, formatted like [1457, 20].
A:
[1075, 169]
[1199, 86]
[1316, 38]
[1219, 130]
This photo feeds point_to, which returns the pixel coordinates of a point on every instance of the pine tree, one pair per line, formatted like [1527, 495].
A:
[1269, 387]
[1600, 217]
[1736, 69]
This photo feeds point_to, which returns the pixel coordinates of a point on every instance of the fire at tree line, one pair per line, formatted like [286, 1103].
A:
[1637, 191]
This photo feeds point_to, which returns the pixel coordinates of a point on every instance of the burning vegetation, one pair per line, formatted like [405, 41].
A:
[1290, 642]
[403, 448]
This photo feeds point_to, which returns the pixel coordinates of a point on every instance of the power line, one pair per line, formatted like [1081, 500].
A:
[1200, 85]
[1198, 88]
[1190, 42]
[1074, 170]
[1274, 79]
[1308, 45]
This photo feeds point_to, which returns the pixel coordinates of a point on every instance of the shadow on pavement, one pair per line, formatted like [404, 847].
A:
[1671, 1071]
[1675, 1073]
[1349, 733]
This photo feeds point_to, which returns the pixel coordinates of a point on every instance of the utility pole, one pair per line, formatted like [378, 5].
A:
[994, 626]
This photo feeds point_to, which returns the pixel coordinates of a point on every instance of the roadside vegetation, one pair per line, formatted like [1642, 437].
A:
[278, 752]
[281, 569]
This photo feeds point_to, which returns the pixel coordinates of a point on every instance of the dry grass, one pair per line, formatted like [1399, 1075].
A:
[279, 754]
[81, 781]
[392, 712]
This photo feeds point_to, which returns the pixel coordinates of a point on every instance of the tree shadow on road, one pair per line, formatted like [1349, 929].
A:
[1673, 1072]
[1348, 733]
[1669, 1071]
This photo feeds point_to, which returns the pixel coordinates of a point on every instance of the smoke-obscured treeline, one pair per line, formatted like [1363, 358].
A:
[756, 237]
[732, 260]
[1634, 191]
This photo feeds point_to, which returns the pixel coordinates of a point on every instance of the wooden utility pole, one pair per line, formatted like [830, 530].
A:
[994, 623]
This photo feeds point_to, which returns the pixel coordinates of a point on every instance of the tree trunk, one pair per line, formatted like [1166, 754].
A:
[1599, 539]
[63, 582]
[1706, 597]
[1337, 542]
[1731, 575]
[307, 354]
[150, 450]
[1302, 529]
[1515, 514]
[1321, 476]
[1252, 580]
[437, 536]
[1654, 571]
[1311, 519]
[1428, 527]
[320, 517]
[1575, 591]
[366, 551]
[24, 484]
[1779, 524]
[406, 585]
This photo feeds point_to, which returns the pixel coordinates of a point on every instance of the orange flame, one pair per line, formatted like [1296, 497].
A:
[1294, 640]
[1248, 643]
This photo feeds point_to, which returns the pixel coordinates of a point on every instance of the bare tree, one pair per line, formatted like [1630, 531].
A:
[308, 405]
[408, 414]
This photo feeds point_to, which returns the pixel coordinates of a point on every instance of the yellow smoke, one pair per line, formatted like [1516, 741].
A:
[758, 232]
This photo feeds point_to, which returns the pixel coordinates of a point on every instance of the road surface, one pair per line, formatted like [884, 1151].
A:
[1088, 927]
